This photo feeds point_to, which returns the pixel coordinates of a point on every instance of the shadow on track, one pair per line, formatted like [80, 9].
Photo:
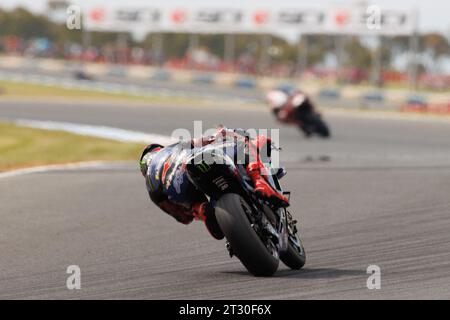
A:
[309, 273]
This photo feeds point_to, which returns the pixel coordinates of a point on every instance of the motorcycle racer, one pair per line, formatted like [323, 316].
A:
[168, 186]
[289, 107]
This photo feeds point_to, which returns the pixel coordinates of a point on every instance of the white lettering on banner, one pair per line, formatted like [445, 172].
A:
[203, 17]
[145, 16]
[229, 16]
[301, 18]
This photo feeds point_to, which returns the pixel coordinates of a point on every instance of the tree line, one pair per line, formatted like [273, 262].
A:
[312, 49]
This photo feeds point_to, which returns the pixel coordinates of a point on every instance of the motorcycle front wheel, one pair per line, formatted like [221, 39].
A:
[295, 256]
[259, 259]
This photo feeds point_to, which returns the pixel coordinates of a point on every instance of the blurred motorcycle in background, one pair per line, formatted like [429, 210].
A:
[295, 107]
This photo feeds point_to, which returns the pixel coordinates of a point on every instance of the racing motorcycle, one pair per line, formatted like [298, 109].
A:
[297, 109]
[259, 232]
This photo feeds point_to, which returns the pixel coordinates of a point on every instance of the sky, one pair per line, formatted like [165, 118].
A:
[434, 15]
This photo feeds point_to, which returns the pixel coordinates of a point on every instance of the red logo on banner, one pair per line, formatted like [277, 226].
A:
[97, 14]
[260, 17]
[341, 18]
[178, 16]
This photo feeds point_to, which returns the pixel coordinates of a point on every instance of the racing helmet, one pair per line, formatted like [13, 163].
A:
[298, 98]
[147, 154]
[277, 98]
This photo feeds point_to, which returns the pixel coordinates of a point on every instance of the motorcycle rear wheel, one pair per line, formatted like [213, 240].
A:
[258, 259]
[313, 124]
[320, 127]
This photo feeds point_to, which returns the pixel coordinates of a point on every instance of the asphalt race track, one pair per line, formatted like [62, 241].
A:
[377, 193]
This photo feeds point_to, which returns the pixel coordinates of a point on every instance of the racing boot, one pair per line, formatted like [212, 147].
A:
[204, 211]
[262, 187]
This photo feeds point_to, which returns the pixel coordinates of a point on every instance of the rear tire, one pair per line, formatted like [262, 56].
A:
[320, 127]
[244, 241]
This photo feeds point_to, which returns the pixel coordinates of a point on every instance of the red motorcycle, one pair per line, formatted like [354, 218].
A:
[297, 109]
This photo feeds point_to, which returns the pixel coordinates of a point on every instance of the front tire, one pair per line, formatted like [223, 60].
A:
[244, 241]
[293, 257]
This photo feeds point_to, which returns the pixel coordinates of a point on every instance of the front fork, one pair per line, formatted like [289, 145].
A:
[278, 235]
[283, 230]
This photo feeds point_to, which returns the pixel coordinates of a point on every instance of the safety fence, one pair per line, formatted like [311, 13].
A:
[342, 96]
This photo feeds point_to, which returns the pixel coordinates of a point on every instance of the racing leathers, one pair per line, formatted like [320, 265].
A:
[169, 187]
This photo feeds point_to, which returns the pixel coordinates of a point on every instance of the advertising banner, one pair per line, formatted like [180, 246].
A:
[202, 17]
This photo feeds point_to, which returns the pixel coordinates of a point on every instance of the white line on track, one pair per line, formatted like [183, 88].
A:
[105, 132]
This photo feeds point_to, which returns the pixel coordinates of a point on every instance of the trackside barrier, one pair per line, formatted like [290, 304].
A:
[31, 63]
[434, 108]
[416, 100]
[387, 97]
[245, 83]
[117, 88]
[117, 71]
[286, 87]
[329, 93]
[443, 108]
[203, 78]
[161, 75]
[373, 97]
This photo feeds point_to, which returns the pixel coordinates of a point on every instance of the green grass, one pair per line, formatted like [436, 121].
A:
[29, 90]
[25, 147]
